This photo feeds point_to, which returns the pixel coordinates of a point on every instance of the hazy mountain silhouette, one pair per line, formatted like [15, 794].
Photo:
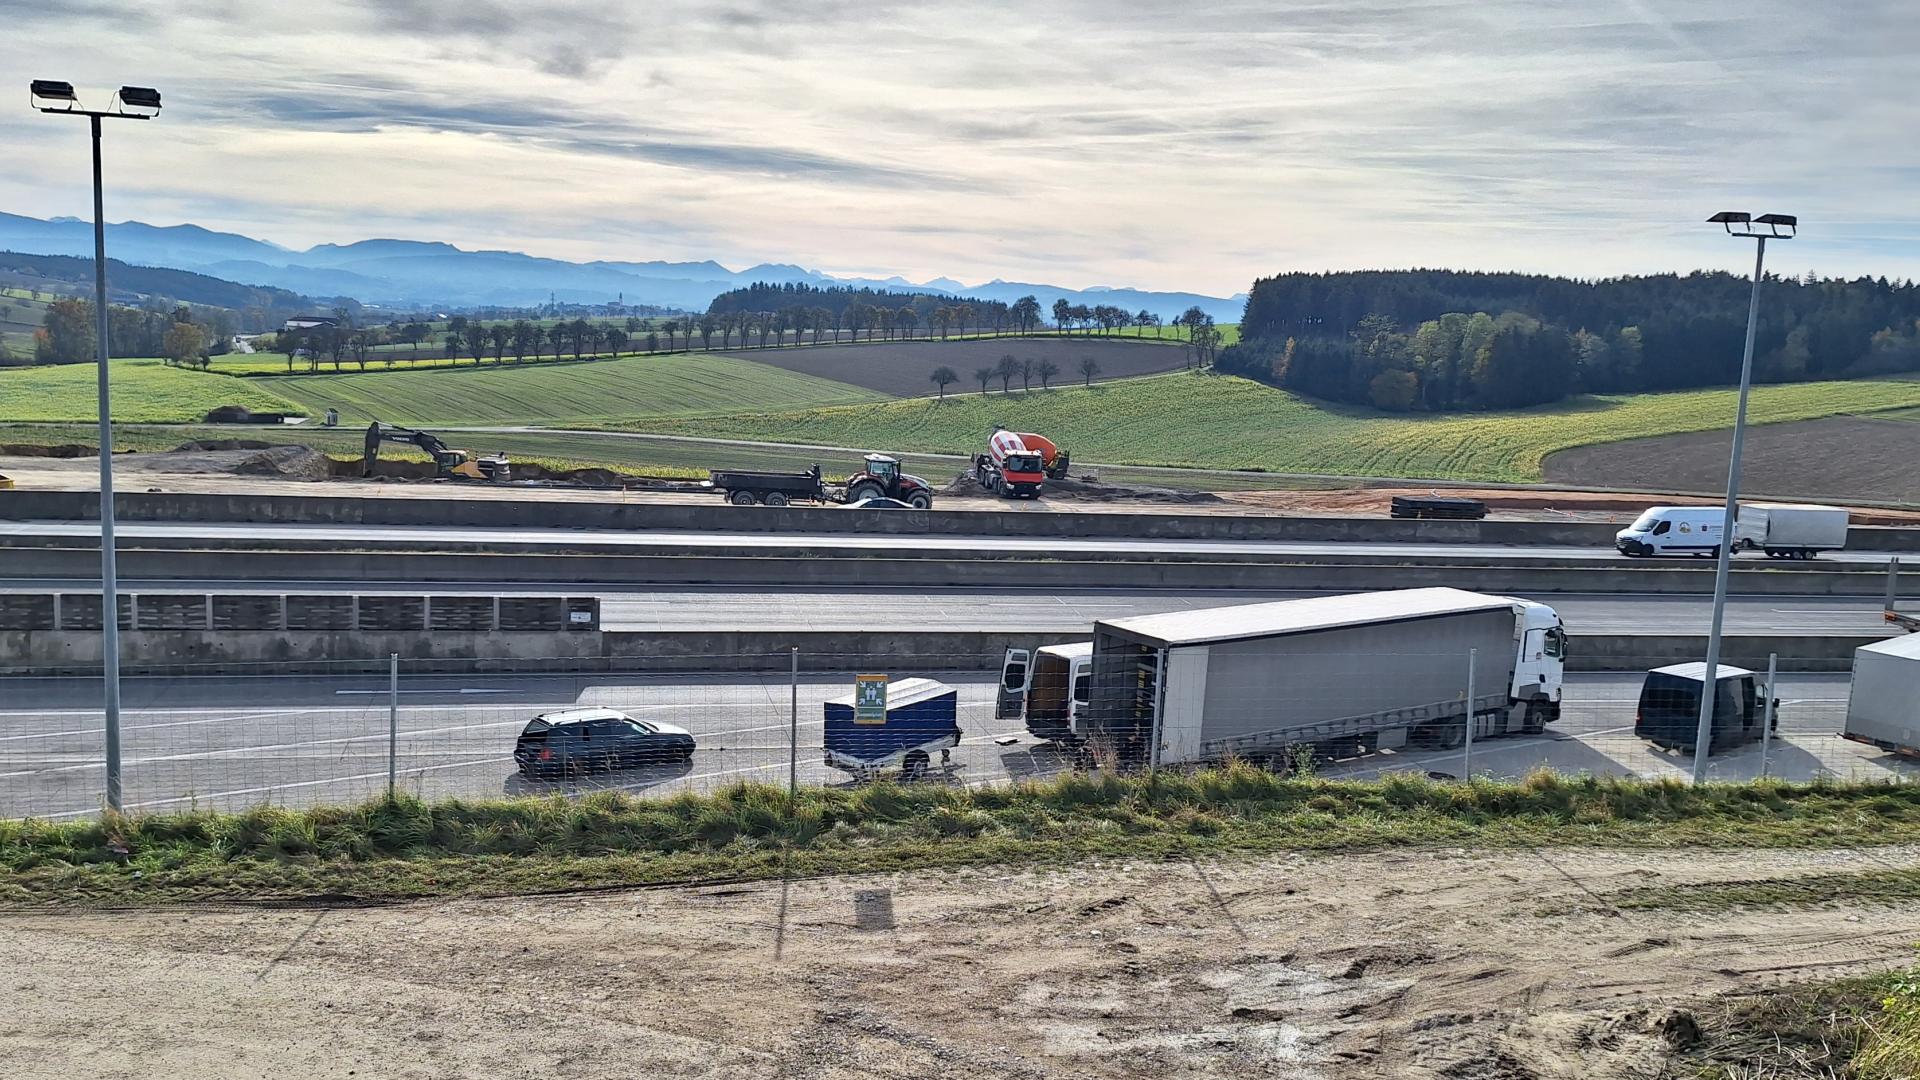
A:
[415, 273]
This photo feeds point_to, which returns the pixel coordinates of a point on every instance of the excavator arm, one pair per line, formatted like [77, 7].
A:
[378, 433]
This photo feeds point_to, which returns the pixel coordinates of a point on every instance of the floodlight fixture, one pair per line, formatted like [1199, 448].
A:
[145, 100]
[1776, 226]
[43, 93]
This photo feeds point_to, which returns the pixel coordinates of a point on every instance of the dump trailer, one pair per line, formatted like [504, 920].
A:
[1883, 704]
[1339, 675]
[1789, 530]
[772, 489]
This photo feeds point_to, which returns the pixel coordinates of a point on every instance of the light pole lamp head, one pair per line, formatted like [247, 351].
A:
[137, 102]
[52, 95]
[1766, 226]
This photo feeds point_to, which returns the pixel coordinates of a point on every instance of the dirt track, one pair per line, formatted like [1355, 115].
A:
[1442, 965]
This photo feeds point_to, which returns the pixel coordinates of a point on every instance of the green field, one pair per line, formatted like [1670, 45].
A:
[1203, 420]
[21, 313]
[560, 393]
[144, 391]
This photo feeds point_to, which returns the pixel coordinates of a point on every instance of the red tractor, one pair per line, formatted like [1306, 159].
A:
[882, 478]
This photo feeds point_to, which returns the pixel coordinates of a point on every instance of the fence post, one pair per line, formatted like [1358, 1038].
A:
[1766, 732]
[393, 722]
[793, 728]
[1893, 583]
[1466, 767]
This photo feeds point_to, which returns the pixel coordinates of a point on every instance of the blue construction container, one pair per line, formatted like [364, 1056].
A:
[923, 716]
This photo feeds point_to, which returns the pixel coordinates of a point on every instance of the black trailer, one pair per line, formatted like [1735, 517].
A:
[770, 489]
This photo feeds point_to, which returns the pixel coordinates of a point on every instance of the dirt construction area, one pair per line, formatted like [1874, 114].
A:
[1432, 964]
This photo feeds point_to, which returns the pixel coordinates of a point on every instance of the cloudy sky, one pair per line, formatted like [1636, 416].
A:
[1141, 142]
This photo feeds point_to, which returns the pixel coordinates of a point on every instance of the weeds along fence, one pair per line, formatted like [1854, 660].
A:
[301, 734]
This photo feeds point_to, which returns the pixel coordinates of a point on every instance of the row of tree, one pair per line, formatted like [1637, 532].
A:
[1435, 339]
[1008, 369]
[185, 335]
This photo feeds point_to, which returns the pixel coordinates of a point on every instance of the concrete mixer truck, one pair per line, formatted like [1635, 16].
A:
[1017, 464]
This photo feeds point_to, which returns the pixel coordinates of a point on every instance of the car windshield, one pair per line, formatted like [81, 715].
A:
[1647, 521]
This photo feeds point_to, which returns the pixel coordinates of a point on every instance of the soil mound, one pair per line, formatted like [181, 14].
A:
[287, 463]
[199, 445]
[67, 450]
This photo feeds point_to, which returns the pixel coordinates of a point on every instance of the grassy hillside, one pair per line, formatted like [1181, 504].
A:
[21, 313]
[561, 393]
[144, 391]
[1213, 421]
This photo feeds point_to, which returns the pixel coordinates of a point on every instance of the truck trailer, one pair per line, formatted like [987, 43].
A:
[1341, 675]
[1789, 530]
[879, 477]
[922, 717]
[1883, 704]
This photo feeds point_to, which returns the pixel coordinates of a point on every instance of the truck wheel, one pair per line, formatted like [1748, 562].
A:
[775, 498]
[920, 500]
[741, 498]
[1536, 719]
[1449, 734]
[914, 765]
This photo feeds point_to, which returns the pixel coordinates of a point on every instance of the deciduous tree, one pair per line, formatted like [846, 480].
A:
[944, 377]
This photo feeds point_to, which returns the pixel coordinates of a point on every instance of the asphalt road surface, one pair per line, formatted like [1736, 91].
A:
[1041, 611]
[237, 742]
[676, 541]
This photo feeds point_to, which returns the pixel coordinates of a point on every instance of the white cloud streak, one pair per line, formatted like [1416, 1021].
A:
[1148, 142]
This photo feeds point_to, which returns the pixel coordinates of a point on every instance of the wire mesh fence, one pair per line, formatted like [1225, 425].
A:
[305, 734]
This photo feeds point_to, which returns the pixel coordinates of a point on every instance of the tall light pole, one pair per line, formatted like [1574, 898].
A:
[129, 103]
[1761, 229]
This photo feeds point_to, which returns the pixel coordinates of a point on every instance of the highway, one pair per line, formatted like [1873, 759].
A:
[231, 742]
[676, 542]
[770, 608]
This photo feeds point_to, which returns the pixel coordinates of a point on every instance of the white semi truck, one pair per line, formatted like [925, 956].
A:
[1342, 675]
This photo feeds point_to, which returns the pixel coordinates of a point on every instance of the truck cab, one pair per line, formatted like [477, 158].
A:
[1673, 530]
[1540, 663]
[1049, 688]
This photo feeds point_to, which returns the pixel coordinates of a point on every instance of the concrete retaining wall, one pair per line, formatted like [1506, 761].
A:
[1317, 573]
[719, 517]
[297, 612]
[307, 652]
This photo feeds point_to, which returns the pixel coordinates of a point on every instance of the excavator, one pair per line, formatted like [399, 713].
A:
[453, 464]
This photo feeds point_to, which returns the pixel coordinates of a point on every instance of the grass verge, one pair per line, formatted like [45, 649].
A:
[407, 848]
[1865, 1028]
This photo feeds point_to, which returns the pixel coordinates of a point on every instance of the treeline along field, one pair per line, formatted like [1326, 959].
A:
[1438, 340]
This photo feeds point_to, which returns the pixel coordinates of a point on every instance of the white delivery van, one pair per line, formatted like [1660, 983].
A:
[1674, 530]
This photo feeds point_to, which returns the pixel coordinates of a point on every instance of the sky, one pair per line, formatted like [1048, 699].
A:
[1167, 145]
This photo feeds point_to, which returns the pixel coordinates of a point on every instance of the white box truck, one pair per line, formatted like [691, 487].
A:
[1883, 705]
[1790, 530]
[1343, 675]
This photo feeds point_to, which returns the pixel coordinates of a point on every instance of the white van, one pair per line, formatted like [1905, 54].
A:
[1674, 530]
[1049, 688]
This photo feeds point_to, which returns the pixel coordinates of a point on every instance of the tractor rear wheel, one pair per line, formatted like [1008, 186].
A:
[868, 490]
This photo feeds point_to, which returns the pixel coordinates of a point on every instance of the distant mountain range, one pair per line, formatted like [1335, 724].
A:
[415, 274]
